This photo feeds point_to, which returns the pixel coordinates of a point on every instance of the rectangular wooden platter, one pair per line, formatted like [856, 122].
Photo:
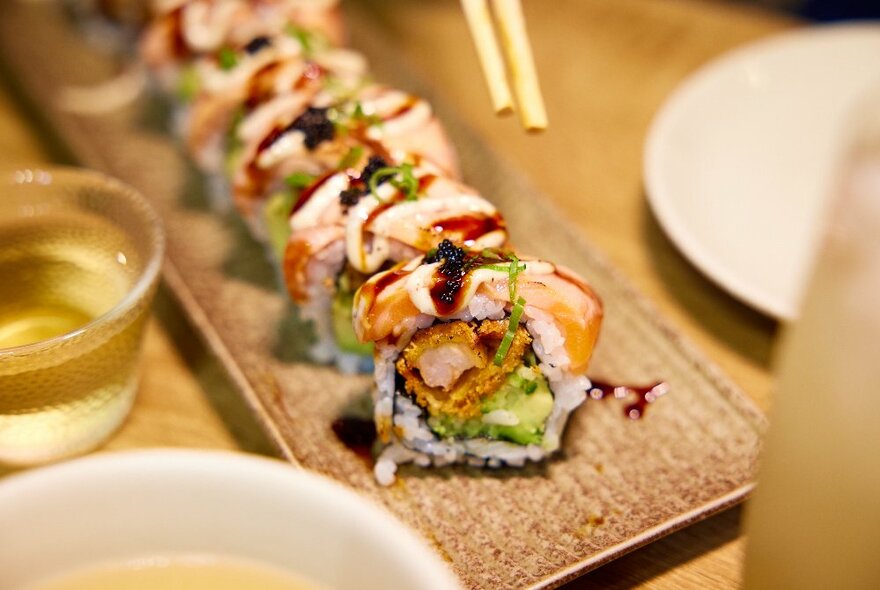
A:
[617, 485]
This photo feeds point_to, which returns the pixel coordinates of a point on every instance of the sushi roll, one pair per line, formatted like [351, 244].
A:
[480, 356]
[266, 77]
[182, 30]
[277, 152]
[350, 224]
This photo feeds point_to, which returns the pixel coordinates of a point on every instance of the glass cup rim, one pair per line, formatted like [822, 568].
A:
[46, 175]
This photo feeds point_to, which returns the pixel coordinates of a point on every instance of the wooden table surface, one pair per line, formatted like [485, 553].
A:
[605, 67]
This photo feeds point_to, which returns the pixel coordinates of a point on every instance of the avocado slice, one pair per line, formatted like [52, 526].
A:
[516, 412]
[276, 215]
[343, 329]
[188, 84]
[230, 162]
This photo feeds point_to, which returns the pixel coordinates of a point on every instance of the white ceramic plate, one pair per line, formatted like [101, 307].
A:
[740, 160]
[118, 507]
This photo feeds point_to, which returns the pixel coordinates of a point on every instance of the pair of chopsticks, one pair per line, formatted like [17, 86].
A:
[520, 63]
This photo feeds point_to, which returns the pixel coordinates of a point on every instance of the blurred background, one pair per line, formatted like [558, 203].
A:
[827, 10]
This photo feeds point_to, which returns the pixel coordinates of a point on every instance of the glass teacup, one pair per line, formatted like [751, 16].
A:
[80, 256]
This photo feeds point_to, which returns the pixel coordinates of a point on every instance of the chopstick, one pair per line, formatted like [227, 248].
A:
[483, 32]
[520, 62]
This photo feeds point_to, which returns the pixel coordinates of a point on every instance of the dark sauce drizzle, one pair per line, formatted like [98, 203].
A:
[468, 228]
[450, 277]
[357, 434]
[308, 192]
[179, 47]
[260, 88]
[372, 289]
[406, 107]
[647, 394]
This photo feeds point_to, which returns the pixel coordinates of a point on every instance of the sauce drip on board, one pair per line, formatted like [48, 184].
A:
[647, 394]
[357, 434]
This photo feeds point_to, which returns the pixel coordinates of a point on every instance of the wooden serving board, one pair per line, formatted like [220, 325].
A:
[617, 485]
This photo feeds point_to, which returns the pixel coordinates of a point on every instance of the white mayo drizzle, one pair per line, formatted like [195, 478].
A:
[289, 144]
[418, 284]
[326, 196]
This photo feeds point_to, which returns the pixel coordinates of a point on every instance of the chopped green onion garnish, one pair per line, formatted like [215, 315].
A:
[513, 269]
[487, 253]
[360, 115]
[496, 267]
[351, 159]
[513, 275]
[401, 177]
[188, 84]
[512, 325]
[299, 180]
[306, 39]
[530, 387]
[227, 58]
[338, 121]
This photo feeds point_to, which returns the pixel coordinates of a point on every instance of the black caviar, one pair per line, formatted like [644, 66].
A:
[374, 164]
[350, 197]
[316, 126]
[453, 270]
[452, 256]
[257, 44]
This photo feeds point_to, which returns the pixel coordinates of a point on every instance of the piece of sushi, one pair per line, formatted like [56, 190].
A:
[349, 225]
[276, 152]
[182, 30]
[480, 356]
[267, 77]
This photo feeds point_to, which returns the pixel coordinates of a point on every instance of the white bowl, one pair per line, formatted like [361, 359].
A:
[741, 159]
[119, 506]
